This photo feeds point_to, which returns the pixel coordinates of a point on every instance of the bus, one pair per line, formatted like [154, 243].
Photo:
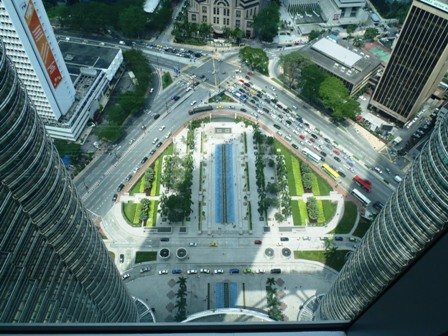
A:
[200, 109]
[363, 183]
[310, 154]
[330, 171]
[364, 200]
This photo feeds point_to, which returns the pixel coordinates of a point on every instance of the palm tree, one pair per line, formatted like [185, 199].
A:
[270, 282]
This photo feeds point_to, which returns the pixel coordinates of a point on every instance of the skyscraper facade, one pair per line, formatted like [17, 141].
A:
[415, 215]
[54, 266]
[418, 62]
[32, 46]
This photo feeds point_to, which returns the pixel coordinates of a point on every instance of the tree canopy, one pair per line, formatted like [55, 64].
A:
[266, 22]
[370, 34]
[335, 96]
[255, 58]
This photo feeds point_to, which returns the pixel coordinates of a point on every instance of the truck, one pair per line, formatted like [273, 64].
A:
[398, 178]
[363, 183]
[200, 109]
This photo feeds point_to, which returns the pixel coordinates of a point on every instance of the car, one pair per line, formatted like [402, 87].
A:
[341, 173]
[260, 271]
[336, 151]
[176, 98]
[338, 238]
[204, 270]
[323, 153]
[337, 159]
[192, 271]
[234, 271]
[314, 135]
[213, 244]
[277, 126]
[188, 89]
[159, 144]
[114, 197]
[151, 90]
[155, 140]
[145, 158]
[120, 187]
[164, 239]
[176, 271]
[257, 242]
[128, 178]
[161, 128]
[306, 238]
[131, 141]
[295, 146]
[247, 271]
[125, 276]
[145, 269]
[276, 271]
[167, 135]
[378, 170]
[387, 170]
[193, 102]
[243, 110]
[162, 272]
[352, 239]
[284, 239]
[152, 152]
[156, 116]
[218, 271]
[193, 244]
[121, 258]
[294, 107]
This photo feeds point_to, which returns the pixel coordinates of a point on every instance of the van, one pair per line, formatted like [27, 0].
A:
[276, 271]
[398, 178]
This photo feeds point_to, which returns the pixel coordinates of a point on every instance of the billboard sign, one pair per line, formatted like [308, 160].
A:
[37, 32]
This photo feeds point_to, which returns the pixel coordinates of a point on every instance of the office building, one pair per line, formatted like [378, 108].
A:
[222, 14]
[418, 62]
[54, 266]
[354, 67]
[31, 45]
[411, 224]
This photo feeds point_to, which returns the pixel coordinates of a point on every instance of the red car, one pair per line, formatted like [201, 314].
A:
[336, 151]
[301, 136]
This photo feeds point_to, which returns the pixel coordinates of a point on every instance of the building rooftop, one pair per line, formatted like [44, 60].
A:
[343, 60]
[337, 52]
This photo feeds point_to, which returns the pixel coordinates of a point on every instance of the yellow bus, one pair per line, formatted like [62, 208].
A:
[330, 171]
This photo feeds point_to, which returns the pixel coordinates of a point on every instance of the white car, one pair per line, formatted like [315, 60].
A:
[260, 271]
[205, 270]
[188, 89]
[131, 141]
[125, 276]
[151, 90]
[161, 128]
[218, 271]
[145, 269]
[378, 170]
[162, 272]
[193, 103]
[193, 244]
[192, 271]
[155, 140]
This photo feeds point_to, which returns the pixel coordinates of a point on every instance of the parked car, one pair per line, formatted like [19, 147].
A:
[276, 271]
[155, 140]
[145, 269]
[295, 146]
[164, 239]
[145, 158]
[162, 272]
[341, 173]
[114, 197]
[192, 271]
[218, 271]
[125, 276]
[156, 116]
[234, 271]
[257, 242]
[338, 238]
[204, 270]
[378, 170]
[337, 159]
[121, 258]
[193, 244]
[260, 271]
[247, 271]
[176, 271]
[284, 239]
[120, 187]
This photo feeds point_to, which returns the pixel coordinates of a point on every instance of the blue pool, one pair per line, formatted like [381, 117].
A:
[224, 184]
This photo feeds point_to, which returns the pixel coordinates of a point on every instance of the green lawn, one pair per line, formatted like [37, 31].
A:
[348, 219]
[293, 168]
[130, 212]
[329, 209]
[363, 226]
[336, 260]
[155, 187]
[320, 187]
[144, 256]
[166, 79]
[320, 213]
[152, 213]
[299, 213]
[139, 186]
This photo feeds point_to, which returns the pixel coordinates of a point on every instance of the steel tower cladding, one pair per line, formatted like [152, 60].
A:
[416, 214]
[418, 63]
[54, 266]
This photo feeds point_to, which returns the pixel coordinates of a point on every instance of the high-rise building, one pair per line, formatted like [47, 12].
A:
[31, 45]
[54, 266]
[222, 14]
[418, 62]
[415, 216]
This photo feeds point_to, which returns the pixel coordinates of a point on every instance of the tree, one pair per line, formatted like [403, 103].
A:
[311, 206]
[370, 34]
[314, 34]
[358, 42]
[279, 217]
[335, 96]
[237, 34]
[351, 28]
[312, 77]
[132, 21]
[266, 22]
[292, 65]
[255, 58]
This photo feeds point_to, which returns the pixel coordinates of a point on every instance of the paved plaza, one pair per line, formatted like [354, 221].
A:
[221, 245]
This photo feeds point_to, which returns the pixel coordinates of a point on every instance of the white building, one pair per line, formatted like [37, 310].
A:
[30, 43]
